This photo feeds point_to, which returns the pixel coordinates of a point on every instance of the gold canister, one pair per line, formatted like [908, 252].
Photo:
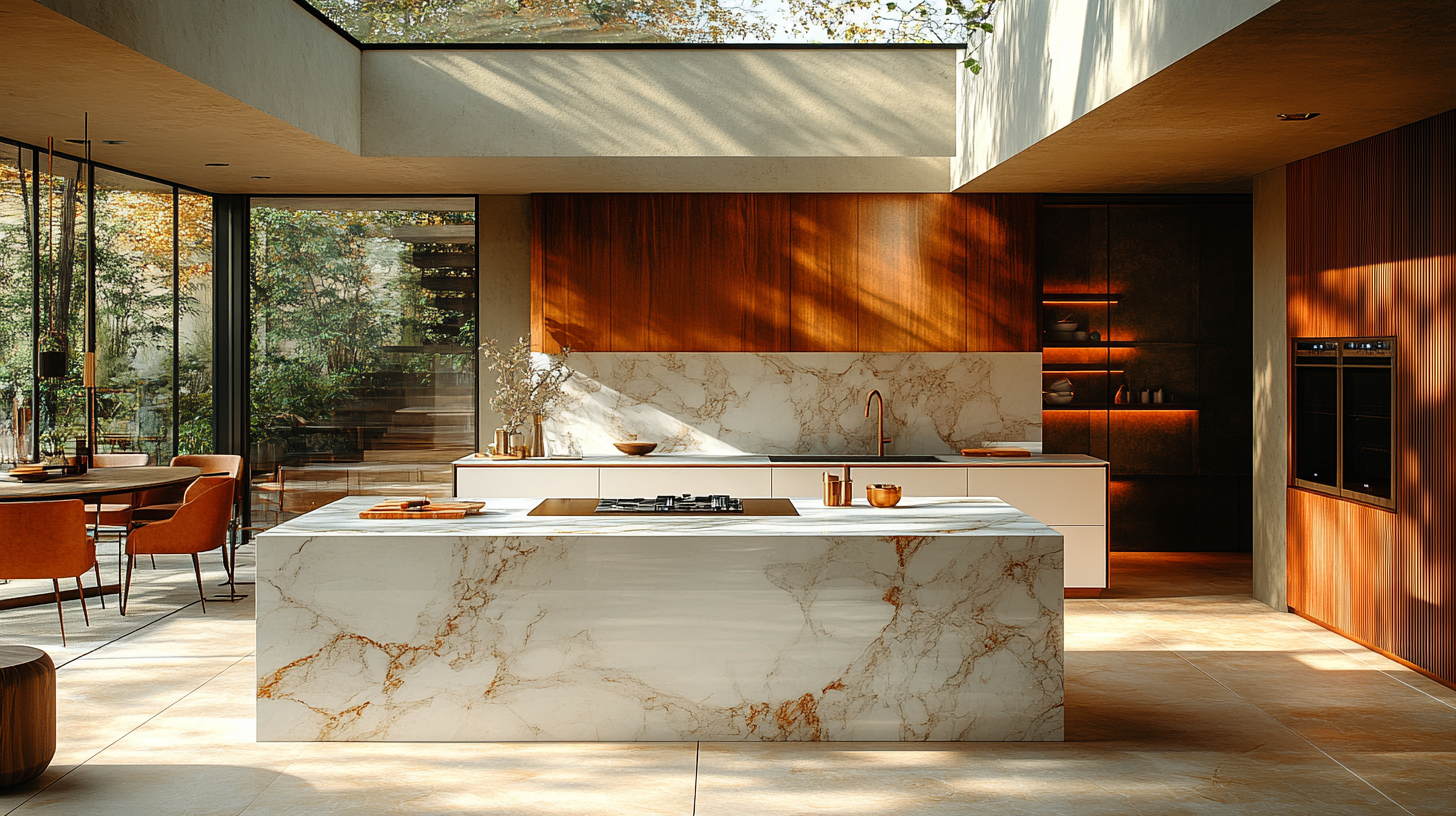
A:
[831, 490]
[502, 444]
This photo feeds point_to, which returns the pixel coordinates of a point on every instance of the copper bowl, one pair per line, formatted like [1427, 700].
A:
[883, 495]
[635, 448]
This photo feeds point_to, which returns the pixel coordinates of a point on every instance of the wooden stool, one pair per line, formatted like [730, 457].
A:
[27, 713]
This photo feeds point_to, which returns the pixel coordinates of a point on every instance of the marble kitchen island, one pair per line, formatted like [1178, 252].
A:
[940, 619]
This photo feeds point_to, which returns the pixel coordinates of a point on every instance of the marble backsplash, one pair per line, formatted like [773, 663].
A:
[796, 402]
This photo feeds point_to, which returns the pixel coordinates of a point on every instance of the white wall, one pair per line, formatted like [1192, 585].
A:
[711, 102]
[1051, 61]
[1271, 390]
[270, 54]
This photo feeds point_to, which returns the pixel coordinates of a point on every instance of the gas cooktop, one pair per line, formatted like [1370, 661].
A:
[686, 503]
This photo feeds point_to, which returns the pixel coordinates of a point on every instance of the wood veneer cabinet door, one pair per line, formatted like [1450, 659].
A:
[717, 267]
[1002, 291]
[773, 272]
[912, 273]
[825, 299]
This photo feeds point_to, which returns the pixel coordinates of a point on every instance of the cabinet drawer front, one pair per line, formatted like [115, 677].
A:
[631, 482]
[1051, 495]
[808, 482]
[1084, 556]
[523, 482]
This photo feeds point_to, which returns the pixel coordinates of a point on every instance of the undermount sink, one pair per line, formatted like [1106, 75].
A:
[831, 459]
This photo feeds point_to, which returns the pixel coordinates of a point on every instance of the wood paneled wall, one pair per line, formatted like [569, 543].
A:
[784, 272]
[1372, 251]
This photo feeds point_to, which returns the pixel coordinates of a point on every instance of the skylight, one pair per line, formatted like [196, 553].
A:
[656, 21]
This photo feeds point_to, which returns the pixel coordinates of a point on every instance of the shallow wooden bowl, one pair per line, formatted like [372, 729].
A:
[883, 495]
[635, 448]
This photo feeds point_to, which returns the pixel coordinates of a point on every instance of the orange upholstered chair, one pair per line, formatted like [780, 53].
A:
[208, 463]
[116, 509]
[47, 539]
[200, 524]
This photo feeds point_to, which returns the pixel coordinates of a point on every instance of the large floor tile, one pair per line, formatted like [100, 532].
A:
[505, 778]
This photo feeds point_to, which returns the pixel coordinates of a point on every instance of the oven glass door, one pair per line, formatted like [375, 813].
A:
[1317, 425]
[1368, 426]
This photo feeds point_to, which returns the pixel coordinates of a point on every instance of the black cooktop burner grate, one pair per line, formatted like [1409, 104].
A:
[686, 503]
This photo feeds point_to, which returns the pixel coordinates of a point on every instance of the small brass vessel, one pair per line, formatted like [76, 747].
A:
[883, 495]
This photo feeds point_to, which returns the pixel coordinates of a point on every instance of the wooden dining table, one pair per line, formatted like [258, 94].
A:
[95, 484]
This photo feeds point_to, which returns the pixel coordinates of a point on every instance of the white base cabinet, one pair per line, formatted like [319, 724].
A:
[526, 482]
[638, 482]
[799, 483]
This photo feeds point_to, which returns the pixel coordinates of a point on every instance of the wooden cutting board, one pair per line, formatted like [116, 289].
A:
[995, 452]
[433, 510]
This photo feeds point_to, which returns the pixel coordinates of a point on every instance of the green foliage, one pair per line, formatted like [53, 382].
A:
[133, 263]
[330, 291]
[693, 21]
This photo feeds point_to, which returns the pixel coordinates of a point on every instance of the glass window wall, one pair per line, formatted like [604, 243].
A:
[362, 373]
[17, 300]
[135, 315]
[127, 258]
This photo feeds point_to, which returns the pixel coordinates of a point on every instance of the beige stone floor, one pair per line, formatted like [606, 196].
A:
[1183, 696]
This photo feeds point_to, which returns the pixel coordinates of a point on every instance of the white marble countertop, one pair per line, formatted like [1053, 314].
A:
[507, 517]
[718, 460]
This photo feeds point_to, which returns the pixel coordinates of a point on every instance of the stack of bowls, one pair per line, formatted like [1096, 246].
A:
[1063, 331]
[1058, 393]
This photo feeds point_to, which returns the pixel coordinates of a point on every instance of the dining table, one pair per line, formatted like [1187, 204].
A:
[96, 484]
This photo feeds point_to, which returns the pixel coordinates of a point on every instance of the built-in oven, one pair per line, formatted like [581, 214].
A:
[1344, 417]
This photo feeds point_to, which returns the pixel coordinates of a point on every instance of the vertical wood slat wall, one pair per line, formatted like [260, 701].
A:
[784, 272]
[1372, 251]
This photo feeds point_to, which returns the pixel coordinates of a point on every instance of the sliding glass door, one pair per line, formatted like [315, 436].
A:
[362, 348]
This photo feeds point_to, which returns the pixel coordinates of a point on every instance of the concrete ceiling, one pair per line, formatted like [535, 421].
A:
[52, 69]
[1208, 123]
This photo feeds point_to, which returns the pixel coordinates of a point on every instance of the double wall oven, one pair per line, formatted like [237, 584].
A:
[1344, 417]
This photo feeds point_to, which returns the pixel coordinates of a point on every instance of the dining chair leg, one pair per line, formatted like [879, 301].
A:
[100, 593]
[126, 588]
[81, 591]
[60, 613]
[154, 561]
[197, 568]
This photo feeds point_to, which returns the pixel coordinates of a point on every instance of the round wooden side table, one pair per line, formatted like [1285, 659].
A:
[27, 713]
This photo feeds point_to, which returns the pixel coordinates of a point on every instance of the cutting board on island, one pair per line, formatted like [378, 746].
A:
[422, 509]
[995, 452]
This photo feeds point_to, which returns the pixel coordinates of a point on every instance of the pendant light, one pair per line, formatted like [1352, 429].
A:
[51, 364]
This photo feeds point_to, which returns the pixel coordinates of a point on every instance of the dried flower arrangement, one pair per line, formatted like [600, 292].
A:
[524, 387]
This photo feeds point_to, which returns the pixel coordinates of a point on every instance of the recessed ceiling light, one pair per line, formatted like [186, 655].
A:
[262, 177]
[113, 141]
[215, 164]
[1297, 117]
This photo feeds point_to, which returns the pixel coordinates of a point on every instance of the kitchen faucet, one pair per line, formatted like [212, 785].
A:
[880, 432]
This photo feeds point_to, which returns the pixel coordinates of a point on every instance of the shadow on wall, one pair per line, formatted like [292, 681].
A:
[1049, 63]
[676, 103]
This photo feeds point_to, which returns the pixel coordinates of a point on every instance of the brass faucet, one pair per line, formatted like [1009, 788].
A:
[880, 431]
